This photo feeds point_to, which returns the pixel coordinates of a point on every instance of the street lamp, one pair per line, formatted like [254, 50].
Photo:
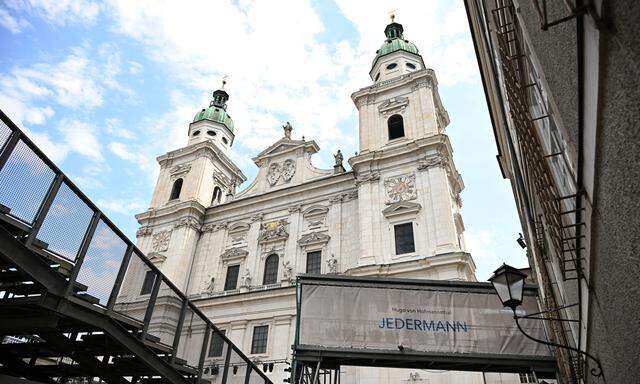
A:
[509, 285]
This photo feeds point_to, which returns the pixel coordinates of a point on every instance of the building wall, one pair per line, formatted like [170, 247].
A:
[601, 161]
[615, 305]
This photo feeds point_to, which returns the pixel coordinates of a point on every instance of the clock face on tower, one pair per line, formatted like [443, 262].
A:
[400, 188]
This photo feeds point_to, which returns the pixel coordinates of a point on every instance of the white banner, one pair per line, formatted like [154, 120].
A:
[418, 320]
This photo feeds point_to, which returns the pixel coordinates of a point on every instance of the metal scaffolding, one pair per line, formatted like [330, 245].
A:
[68, 313]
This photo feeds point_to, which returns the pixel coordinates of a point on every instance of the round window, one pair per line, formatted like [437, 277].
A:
[211, 133]
[411, 66]
[392, 66]
[196, 133]
[224, 140]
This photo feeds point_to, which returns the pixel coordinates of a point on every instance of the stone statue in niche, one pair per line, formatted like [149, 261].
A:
[210, 285]
[287, 271]
[245, 280]
[400, 188]
[332, 264]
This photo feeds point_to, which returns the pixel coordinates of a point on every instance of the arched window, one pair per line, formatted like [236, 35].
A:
[271, 270]
[217, 195]
[396, 127]
[175, 191]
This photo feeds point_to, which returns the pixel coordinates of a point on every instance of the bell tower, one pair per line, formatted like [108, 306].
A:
[408, 186]
[191, 179]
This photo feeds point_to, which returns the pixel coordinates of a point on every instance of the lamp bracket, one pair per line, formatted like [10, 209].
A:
[596, 372]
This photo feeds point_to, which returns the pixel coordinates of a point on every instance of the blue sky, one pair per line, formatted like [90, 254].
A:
[106, 87]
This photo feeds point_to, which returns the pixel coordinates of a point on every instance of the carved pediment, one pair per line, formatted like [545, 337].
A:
[315, 210]
[401, 208]
[285, 145]
[314, 238]
[239, 227]
[234, 253]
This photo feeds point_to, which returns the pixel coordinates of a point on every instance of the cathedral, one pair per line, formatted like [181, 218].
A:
[395, 213]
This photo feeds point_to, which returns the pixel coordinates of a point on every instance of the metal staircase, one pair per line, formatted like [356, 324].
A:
[70, 307]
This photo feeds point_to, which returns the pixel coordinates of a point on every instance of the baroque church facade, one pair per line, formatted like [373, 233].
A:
[396, 213]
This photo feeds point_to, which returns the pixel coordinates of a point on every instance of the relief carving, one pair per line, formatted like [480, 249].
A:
[284, 170]
[188, 222]
[438, 159]
[373, 176]
[400, 188]
[144, 231]
[180, 169]
[160, 241]
[274, 230]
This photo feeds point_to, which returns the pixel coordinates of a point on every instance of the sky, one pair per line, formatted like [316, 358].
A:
[103, 88]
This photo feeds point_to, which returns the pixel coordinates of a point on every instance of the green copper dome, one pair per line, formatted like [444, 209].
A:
[217, 110]
[395, 42]
[216, 114]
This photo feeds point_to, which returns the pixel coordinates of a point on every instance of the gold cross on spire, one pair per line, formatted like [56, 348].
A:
[392, 15]
[224, 80]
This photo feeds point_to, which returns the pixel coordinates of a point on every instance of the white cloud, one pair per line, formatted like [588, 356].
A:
[59, 12]
[114, 128]
[286, 70]
[81, 138]
[122, 206]
[434, 26]
[11, 23]
[278, 70]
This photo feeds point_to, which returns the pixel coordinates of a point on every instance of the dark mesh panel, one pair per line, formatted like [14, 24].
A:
[24, 181]
[255, 377]
[191, 338]
[130, 301]
[240, 369]
[5, 132]
[102, 262]
[65, 223]
[166, 312]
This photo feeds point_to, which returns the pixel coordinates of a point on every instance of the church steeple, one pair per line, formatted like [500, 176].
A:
[397, 56]
[214, 123]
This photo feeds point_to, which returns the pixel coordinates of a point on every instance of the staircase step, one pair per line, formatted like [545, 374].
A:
[88, 298]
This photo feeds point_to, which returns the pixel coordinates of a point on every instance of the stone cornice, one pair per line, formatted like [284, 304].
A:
[246, 297]
[274, 197]
[204, 148]
[413, 264]
[190, 208]
[423, 77]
